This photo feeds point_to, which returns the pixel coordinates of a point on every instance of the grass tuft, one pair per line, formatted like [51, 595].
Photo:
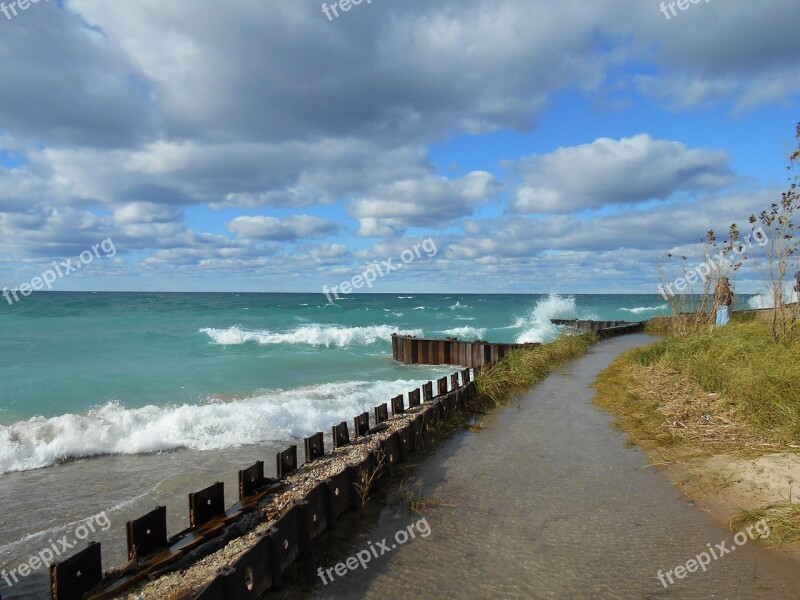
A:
[783, 521]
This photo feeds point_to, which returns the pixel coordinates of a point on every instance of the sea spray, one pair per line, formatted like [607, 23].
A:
[536, 324]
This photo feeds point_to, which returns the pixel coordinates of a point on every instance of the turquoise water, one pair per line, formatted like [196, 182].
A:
[87, 374]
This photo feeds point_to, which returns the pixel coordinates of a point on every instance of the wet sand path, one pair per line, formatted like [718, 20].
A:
[551, 502]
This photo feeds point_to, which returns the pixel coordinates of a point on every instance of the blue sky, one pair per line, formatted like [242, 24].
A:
[262, 147]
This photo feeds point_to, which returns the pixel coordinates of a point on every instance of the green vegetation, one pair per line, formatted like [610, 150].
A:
[783, 520]
[523, 369]
[636, 408]
[745, 379]
[758, 380]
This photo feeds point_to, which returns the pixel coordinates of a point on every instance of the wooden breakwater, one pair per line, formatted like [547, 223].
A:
[299, 524]
[411, 350]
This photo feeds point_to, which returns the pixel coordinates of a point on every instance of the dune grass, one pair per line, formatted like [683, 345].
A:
[783, 520]
[522, 369]
[757, 379]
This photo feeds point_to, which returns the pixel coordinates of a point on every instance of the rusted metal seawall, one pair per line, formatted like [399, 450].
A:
[262, 568]
[411, 350]
[603, 329]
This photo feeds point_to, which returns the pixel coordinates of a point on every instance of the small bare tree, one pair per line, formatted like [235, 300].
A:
[782, 251]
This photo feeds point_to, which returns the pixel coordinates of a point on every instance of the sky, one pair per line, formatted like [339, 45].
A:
[264, 145]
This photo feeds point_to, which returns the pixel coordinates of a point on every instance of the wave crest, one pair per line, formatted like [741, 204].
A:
[312, 335]
[466, 333]
[643, 309]
[113, 429]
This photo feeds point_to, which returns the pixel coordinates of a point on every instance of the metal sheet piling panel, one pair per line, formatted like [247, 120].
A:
[341, 493]
[434, 347]
[398, 406]
[362, 473]
[487, 354]
[441, 407]
[424, 352]
[451, 402]
[206, 505]
[315, 447]
[420, 429]
[465, 376]
[442, 382]
[251, 576]
[407, 441]
[407, 352]
[341, 435]
[427, 391]
[413, 398]
[395, 355]
[415, 352]
[286, 461]
[251, 480]
[361, 425]
[392, 448]
[381, 413]
[78, 574]
[289, 539]
[147, 534]
[454, 385]
[446, 405]
[431, 416]
[318, 512]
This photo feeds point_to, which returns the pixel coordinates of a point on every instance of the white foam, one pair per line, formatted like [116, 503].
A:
[474, 333]
[643, 309]
[313, 335]
[536, 324]
[113, 429]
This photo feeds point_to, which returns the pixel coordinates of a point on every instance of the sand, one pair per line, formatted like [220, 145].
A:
[725, 485]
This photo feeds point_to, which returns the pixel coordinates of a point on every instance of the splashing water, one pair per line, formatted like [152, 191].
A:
[536, 325]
